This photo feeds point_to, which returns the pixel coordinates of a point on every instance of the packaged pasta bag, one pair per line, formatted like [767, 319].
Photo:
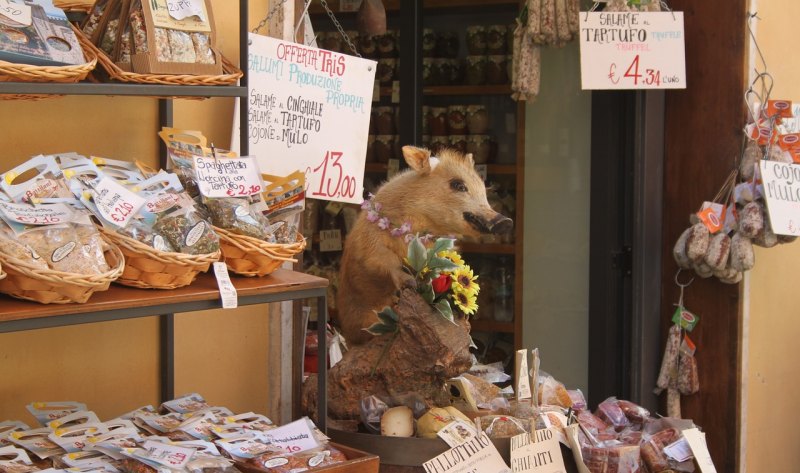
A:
[188, 232]
[38, 178]
[182, 146]
[285, 201]
[174, 39]
[15, 460]
[105, 30]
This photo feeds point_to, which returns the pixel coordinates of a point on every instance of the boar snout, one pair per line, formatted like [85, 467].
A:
[497, 224]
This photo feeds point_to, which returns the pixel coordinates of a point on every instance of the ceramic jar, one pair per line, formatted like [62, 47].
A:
[459, 143]
[497, 69]
[427, 71]
[445, 70]
[476, 70]
[476, 40]
[456, 71]
[383, 148]
[384, 120]
[477, 119]
[457, 119]
[480, 146]
[496, 39]
[438, 121]
[428, 42]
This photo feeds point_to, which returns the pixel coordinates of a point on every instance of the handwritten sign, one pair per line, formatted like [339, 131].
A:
[330, 240]
[309, 109]
[697, 442]
[538, 452]
[632, 50]
[293, 437]
[476, 455]
[171, 456]
[19, 12]
[782, 192]
[180, 9]
[228, 177]
[46, 214]
[115, 203]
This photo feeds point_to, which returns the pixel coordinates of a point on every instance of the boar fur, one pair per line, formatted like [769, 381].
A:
[440, 196]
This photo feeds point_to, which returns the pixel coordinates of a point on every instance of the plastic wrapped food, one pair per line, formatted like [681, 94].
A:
[611, 413]
[138, 28]
[653, 449]
[498, 427]
[578, 399]
[181, 47]
[552, 392]
[237, 215]
[68, 248]
[634, 412]
[591, 421]
[144, 233]
[298, 462]
[612, 459]
[13, 248]
[163, 51]
[188, 233]
[202, 48]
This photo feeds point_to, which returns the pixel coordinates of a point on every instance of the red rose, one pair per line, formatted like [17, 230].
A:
[441, 284]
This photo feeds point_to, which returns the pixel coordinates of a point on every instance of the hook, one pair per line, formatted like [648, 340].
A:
[750, 18]
[682, 286]
[594, 8]
[300, 22]
[666, 7]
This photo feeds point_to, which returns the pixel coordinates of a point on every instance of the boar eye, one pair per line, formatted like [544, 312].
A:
[458, 185]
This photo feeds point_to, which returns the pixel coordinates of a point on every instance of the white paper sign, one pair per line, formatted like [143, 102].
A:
[227, 292]
[632, 50]
[310, 110]
[476, 455]
[293, 437]
[330, 240]
[115, 203]
[171, 456]
[180, 9]
[228, 177]
[697, 442]
[19, 12]
[782, 192]
[539, 452]
[45, 214]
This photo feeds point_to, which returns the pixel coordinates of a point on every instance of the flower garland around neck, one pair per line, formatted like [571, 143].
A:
[399, 231]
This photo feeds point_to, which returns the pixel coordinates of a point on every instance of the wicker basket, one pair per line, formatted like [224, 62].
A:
[230, 76]
[47, 286]
[148, 268]
[82, 6]
[13, 72]
[248, 256]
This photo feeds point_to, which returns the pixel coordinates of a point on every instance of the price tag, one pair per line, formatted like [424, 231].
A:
[171, 456]
[115, 203]
[685, 319]
[180, 9]
[393, 168]
[293, 437]
[19, 12]
[697, 442]
[632, 50]
[228, 177]
[227, 292]
[679, 450]
[482, 171]
[330, 240]
[396, 91]
[781, 191]
[349, 5]
[476, 455]
[45, 214]
[539, 452]
[712, 215]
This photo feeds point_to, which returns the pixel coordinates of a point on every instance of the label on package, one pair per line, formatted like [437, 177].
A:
[228, 177]
[115, 203]
[44, 214]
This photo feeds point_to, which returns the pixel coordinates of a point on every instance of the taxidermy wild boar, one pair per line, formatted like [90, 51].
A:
[440, 196]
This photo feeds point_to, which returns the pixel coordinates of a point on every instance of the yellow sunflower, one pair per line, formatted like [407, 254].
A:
[464, 281]
[466, 302]
[452, 256]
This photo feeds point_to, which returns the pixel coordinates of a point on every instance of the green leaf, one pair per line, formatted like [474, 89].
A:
[442, 264]
[416, 255]
[442, 244]
[426, 291]
[443, 306]
[388, 316]
[379, 328]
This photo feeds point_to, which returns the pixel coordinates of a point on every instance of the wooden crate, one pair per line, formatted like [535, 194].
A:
[357, 462]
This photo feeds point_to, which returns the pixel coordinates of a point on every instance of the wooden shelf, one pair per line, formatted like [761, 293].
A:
[112, 89]
[500, 89]
[488, 325]
[394, 5]
[486, 248]
[122, 302]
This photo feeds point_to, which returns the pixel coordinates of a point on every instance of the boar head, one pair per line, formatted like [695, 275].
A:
[442, 195]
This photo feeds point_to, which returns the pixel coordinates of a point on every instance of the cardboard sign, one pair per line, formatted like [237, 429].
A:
[115, 203]
[697, 442]
[293, 437]
[538, 452]
[46, 214]
[782, 193]
[521, 372]
[181, 9]
[476, 455]
[228, 177]
[632, 50]
[310, 110]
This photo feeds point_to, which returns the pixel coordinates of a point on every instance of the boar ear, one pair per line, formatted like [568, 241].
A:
[468, 158]
[418, 159]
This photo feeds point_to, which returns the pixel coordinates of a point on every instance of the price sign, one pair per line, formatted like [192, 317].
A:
[293, 437]
[330, 240]
[180, 9]
[632, 50]
[309, 109]
[115, 203]
[228, 177]
[476, 455]
[19, 12]
[782, 192]
[537, 452]
[45, 214]
[171, 456]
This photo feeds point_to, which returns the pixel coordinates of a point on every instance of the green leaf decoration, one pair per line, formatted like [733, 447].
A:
[379, 328]
[443, 306]
[425, 289]
[388, 316]
[416, 255]
[442, 244]
[442, 264]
